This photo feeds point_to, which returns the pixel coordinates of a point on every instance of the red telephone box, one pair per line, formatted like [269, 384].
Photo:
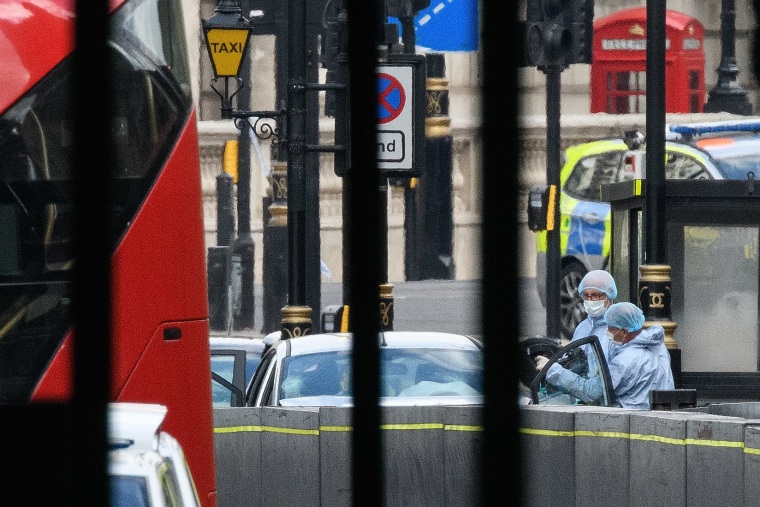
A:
[618, 67]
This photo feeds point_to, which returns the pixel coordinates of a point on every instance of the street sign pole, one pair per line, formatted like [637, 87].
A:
[296, 316]
[553, 160]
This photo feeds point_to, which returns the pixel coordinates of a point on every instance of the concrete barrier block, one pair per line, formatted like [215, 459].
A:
[602, 457]
[413, 456]
[548, 455]
[751, 465]
[237, 446]
[335, 455]
[658, 458]
[290, 456]
[748, 410]
[462, 451]
[715, 461]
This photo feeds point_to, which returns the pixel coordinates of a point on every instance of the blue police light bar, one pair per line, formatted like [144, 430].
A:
[696, 129]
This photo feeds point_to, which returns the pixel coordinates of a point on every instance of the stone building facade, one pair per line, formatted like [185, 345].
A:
[463, 71]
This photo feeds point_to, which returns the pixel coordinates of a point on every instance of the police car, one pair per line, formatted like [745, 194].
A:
[709, 150]
[146, 466]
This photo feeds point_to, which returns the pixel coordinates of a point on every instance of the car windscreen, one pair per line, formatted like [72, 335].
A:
[411, 372]
[128, 491]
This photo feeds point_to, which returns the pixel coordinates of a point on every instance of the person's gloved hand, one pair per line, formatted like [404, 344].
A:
[541, 362]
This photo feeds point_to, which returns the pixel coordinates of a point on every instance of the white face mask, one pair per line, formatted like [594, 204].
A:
[594, 308]
[611, 337]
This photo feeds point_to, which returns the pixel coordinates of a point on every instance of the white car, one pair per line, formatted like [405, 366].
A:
[233, 362]
[146, 466]
[416, 368]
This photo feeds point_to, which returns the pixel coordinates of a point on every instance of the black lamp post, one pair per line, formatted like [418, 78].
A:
[227, 33]
[728, 95]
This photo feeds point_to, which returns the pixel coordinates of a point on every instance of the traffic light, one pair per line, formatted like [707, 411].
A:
[558, 32]
[547, 35]
[582, 30]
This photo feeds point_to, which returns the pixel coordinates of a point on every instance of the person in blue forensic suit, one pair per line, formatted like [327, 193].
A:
[638, 361]
[598, 289]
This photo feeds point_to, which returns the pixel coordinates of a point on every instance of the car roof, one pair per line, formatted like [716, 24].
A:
[237, 343]
[392, 339]
[138, 422]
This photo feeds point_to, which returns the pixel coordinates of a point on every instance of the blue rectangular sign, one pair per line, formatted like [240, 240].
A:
[446, 25]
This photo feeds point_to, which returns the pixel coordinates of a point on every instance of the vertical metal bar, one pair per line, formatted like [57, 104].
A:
[654, 280]
[654, 204]
[435, 190]
[244, 246]
[553, 161]
[502, 48]
[364, 20]
[225, 221]
[411, 218]
[313, 274]
[385, 289]
[296, 319]
[92, 250]
[275, 255]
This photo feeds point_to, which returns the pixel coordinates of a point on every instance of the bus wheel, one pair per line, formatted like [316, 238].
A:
[571, 303]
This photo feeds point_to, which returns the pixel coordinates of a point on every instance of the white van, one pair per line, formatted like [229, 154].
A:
[146, 466]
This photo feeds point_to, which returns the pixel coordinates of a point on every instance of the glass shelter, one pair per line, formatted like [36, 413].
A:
[712, 230]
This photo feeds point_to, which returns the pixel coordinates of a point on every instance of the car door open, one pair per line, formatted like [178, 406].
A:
[589, 376]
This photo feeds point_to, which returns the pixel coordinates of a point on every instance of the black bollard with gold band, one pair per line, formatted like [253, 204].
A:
[386, 307]
[296, 321]
[275, 251]
[655, 301]
[435, 212]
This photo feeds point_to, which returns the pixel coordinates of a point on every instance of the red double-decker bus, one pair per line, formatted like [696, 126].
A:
[159, 295]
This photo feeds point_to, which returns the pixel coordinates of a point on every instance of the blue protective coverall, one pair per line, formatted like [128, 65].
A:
[639, 366]
[593, 326]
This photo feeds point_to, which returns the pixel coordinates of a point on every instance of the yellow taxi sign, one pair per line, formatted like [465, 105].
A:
[226, 47]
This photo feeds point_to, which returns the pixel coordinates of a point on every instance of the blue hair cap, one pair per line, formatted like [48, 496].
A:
[624, 316]
[600, 280]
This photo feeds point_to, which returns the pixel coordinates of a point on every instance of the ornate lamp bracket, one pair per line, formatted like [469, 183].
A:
[264, 124]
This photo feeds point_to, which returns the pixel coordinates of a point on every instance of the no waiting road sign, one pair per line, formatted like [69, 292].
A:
[401, 100]
[391, 98]
[400, 115]
[394, 118]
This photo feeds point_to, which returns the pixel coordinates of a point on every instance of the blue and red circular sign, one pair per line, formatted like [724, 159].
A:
[390, 98]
